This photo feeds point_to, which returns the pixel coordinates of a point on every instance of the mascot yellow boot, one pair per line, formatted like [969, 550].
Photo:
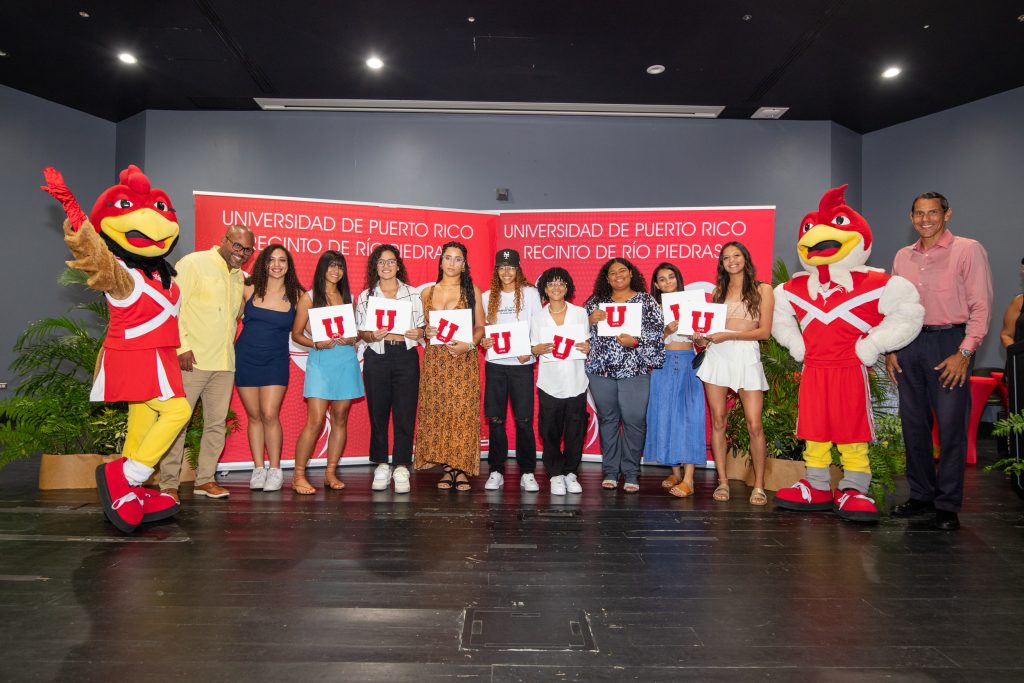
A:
[838, 317]
[122, 248]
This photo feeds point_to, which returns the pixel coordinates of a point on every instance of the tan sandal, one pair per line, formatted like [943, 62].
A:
[681, 490]
[609, 484]
[631, 488]
[670, 481]
[302, 486]
[721, 493]
[758, 497]
[333, 483]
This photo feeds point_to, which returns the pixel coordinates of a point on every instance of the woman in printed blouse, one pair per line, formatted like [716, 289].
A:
[619, 369]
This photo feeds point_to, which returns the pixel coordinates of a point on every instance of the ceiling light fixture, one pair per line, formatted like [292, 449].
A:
[892, 72]
[471, 19]
[127, 58]
[748, 17]
[769, 113]
[83, 14]
[2, 53]
[460, 107]
[375, 63]
[655, 69]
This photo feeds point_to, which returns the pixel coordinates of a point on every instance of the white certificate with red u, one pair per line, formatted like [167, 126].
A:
[703, 318]
[511, 340]
[332, 322]
[563, 340]
[621, 318]
[392, 315]
[454, 325]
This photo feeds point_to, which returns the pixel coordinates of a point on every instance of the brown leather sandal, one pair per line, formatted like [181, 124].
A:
[670, 481]
[681, 490]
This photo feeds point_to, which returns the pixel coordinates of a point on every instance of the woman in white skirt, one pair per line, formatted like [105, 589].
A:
[732, 361]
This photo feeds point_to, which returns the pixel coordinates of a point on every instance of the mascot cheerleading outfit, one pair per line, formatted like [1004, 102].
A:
[838, 317]
[121, 247]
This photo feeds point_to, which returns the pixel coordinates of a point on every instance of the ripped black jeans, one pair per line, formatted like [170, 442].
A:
[510, 384]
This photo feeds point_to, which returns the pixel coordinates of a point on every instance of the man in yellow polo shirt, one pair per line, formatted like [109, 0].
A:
[211, 285]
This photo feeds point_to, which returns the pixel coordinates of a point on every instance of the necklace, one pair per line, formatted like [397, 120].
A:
[564, 308]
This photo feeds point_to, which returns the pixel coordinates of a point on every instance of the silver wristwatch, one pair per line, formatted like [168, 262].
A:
[966, 353]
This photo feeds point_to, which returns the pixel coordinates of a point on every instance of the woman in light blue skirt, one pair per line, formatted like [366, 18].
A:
[333, 377]
[676, 417]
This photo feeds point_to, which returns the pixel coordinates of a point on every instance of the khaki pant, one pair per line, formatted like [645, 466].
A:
[214, 388]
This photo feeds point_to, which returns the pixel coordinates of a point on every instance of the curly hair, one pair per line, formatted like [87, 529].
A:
[372, 278]
[751, 287]
[603, 290]
[664, 265]
[494, 297]
[328, 259]
[465, 281]
[552, 274]
[261, 275]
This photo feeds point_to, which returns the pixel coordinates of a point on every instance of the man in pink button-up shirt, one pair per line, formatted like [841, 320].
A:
[953, 278]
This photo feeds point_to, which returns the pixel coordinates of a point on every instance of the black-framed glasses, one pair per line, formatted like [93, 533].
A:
[387, 262]
[247, 251]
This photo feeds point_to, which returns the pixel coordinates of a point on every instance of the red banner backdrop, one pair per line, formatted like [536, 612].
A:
[578, 240]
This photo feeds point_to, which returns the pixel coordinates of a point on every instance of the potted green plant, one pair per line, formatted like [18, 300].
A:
[785, 451]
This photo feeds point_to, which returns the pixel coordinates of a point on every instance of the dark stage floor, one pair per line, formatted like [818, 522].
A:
[506, 586]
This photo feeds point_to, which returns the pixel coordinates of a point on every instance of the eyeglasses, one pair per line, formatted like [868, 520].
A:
[387, 262]
[450, 258]
[247, 251]
[556, 283]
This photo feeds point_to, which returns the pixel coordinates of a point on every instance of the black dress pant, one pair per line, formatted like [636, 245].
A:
[392, 381]
[921, 394]
[510, 384]
[558, 420]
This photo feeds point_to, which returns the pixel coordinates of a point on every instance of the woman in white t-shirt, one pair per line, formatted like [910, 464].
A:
[510, 380]
[561, 382]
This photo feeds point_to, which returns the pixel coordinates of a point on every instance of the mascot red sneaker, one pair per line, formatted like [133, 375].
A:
[122, 247]
[838, 317]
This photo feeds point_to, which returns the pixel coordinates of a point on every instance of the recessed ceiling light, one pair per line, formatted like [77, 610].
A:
[2, 53]
[892, 72]
[83, 14]
[748, 17]
[471, 19]
[127, 58]
[655, 69]
[769, 113]
[375, 63]
[926, 27]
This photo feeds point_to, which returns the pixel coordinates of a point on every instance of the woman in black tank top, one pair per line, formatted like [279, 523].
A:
[1013, 320]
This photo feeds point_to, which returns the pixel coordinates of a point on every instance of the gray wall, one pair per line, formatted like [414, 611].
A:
[34, 134]
[973, 154]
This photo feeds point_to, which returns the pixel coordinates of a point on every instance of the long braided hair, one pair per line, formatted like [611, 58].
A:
[494, 297]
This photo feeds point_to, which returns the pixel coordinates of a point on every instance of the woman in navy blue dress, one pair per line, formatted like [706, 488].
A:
[262, 359]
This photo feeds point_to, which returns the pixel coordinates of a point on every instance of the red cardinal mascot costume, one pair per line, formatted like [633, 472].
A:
[838, 317]
[121, 245]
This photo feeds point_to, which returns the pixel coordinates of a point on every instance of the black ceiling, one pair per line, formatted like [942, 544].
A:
[822, 59]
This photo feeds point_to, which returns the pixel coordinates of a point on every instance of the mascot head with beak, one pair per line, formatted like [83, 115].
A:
[833, 238]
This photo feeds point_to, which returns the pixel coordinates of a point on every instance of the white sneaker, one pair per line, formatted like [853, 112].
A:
[529, 483]
[275, 478]
[258, 479]
[557, 486]
[381, 477]
[495, 481]
[571, 485]
[401, 477]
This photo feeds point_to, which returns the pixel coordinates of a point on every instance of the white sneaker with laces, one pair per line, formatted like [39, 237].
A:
[495, 481]
[571, 485]
[528, 482]
[381, 477]
[557, 486]
[401, 477]
[258, 479]
[275, 479]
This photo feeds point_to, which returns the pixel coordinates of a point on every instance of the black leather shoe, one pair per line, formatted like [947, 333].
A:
[912, 507]
[946, 520]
